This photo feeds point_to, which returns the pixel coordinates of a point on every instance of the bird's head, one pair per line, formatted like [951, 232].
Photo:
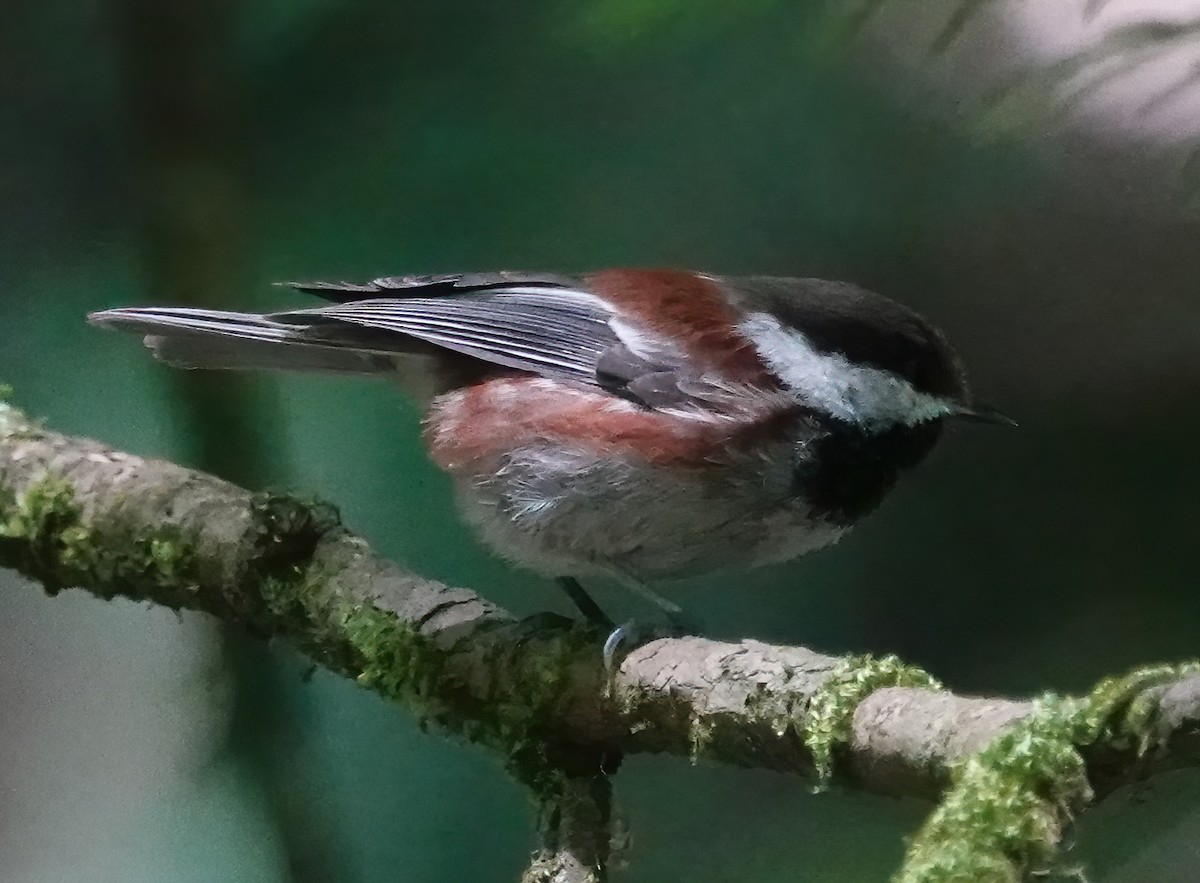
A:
[856, 356]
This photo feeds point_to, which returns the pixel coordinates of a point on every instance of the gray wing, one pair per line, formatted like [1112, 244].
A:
[550, 331]
[546, 325]
[556, 332]
[435, 284]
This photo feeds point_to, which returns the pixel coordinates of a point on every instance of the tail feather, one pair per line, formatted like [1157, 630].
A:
[187, 351]
[196, 338]
[187, 320]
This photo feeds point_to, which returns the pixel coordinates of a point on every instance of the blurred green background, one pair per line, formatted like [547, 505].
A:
[195, 151]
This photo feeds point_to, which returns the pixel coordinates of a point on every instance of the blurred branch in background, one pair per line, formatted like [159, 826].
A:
[1011, 776]
[186, 117]
[1007, 70]
[1109, 72]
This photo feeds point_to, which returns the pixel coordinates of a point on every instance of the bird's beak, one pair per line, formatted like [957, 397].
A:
[978, 412]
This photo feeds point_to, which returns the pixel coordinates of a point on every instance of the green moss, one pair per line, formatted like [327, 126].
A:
[1008, 806]
[396, 661]
[700, 733]
[286, 530]
[828, 720]
[8, 509]
[1122, 713]
[393, 658]
[539, 677]
[373, 646]
[43, 532]
[13, 422]
[50, 539]
[407, 667]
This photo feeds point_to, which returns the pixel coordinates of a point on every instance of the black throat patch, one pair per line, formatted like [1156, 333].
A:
[847, 471]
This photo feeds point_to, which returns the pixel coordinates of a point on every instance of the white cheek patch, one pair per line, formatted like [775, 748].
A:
[870, 397]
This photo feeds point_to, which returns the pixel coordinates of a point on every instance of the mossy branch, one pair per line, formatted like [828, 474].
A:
[1013, 773]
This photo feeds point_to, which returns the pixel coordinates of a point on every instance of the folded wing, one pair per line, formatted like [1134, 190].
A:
[560, 333]
[544, 325]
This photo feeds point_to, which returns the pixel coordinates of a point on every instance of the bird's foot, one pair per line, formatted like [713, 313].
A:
[631, 634]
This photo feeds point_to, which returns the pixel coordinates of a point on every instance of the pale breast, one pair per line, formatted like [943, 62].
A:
[567, 512]
[567, 482]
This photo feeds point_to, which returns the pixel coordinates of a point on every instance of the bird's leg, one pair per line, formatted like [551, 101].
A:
[681, 622]
[591, 611]
[667, 606]
[583, 601]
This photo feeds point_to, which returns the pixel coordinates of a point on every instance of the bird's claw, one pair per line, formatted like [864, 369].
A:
[629, 633]
[612, 643]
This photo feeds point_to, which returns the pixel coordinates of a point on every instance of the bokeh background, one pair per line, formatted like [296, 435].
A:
[1026, 174]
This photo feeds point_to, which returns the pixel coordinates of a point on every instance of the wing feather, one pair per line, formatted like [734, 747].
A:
[443, 283]
[547, 331]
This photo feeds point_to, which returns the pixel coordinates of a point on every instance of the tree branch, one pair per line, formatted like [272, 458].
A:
[76, 513]
[575, 817]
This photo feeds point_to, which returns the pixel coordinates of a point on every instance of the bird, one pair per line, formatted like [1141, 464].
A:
[640, 425]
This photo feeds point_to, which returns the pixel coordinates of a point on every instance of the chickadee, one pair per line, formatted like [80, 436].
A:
[645, 425]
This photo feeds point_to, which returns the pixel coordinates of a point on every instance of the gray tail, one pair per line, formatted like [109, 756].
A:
[196, 338]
